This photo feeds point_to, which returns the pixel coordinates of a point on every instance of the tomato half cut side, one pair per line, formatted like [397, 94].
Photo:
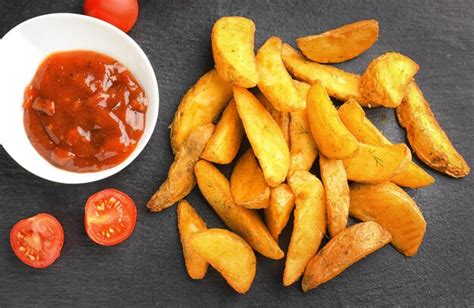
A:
[110, 217]
[37, 241]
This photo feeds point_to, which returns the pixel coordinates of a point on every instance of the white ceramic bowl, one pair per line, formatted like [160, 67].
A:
[22, 50]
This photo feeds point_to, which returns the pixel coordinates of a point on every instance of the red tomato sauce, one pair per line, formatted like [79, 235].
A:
[84, 111]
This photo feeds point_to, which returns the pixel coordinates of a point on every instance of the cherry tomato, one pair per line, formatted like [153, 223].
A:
[120, 13]
[110, 217]
[37, 241]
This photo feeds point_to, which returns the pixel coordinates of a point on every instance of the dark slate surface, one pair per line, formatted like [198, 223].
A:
[148, 269]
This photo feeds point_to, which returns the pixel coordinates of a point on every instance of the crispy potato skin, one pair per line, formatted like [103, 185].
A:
[232, 41]
[281, 117]
[392, 208]
[229, 254]
[225, 142]
[180, 180]
[331, 136]
[277, 214]
[338, 83]
[336, 190]
[348, 247]
[245, 222]
[377, 163]
[247, 183]
[199, 106]
[303, 149]
[189, 222]
[353, 117]
[426, 137]
[386, 79]
[309, 225]
[275, 82]
[340, 44]
[265, 136]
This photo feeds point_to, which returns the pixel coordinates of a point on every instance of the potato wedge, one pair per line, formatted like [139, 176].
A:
[265, 136]
[336, 190]
[426, 137]
[199, 106]
[229, 254]
[247, 184]
[331, 136]
[275, 82]
[386, 79]
[353, 117]
[393, 209]
[309, 225]
[377, 163]
[225, 142]
[247, 223]
[348, 247]
[340, 44]
[303, 149]
[232, 41]
[180, 180]
[277, 214]
[189, 223]
[339, 84]
[281, 117]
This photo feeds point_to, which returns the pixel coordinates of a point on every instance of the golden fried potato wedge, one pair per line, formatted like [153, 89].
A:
[377, 163]
[426, 137]
[277, 214]
[331, 136]
[275, 82]
[281, 117]
[348, 247]
[303, 149]
[340, 44]
[232, 41]
[245, 222]
[386, 79]
[247, 183]
[338, 83]
[353, 117]
[392, 208]
[199, 106]
[265, 136]
[180, 180]
[309, 225]
[189, 223]
[229, 254]
[336, 190]
[302, 87]
[225, 142]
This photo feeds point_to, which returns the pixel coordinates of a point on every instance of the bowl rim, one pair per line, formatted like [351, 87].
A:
[57, 175]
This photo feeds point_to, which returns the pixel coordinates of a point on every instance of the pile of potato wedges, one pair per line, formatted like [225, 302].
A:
[280, 99]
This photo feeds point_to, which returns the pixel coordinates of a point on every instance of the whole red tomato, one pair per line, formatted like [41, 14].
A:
[120, 13]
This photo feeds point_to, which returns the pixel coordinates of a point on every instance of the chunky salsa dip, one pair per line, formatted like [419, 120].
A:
[84, 111]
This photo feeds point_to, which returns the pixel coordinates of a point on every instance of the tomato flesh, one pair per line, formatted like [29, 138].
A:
[110, 217]
[37, 241]
[120, 13]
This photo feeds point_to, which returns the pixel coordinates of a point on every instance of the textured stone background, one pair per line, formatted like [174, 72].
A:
[148, 268]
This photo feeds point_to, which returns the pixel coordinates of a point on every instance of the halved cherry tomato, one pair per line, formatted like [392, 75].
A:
[120, 13]
[110, 217]
[37, 241]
